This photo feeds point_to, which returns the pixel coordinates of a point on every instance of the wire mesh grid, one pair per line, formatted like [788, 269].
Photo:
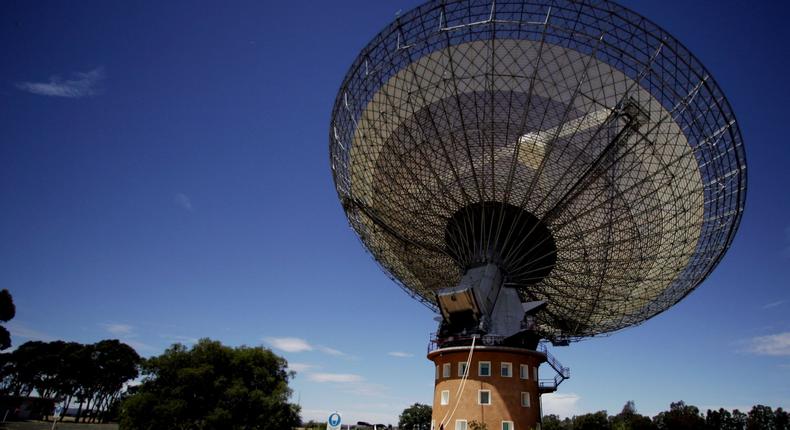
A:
[582, 115]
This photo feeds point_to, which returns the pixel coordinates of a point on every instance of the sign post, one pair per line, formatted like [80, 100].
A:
[333, 422]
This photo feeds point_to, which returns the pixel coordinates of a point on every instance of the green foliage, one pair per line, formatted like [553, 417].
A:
[629, 419]
[593, 421]
[552, 422]
[7, 312]
[476, 425]
[314, 425]
[415, 416]
[761, 418]
[91, 374]
[680, 417]
[212, 386]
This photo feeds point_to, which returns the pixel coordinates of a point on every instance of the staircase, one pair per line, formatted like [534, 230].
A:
[563, 373]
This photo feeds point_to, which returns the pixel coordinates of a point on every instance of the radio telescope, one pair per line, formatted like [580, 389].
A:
[533, 170]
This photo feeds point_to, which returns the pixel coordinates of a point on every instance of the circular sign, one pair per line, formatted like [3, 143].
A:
[334, 419]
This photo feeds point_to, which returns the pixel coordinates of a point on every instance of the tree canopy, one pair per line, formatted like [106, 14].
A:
[94, 375]
[416, 416]
[7, 312]
[211, 386]
[680, 416]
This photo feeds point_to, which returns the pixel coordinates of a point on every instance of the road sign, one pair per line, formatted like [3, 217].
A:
[333, 422]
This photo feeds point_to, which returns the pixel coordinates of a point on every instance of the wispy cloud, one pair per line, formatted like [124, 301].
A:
[183, 201]
[126, 334]
[564, 405]
[289, 344]
[331, 351]
[774, 345]
[343, 378]
[295, 344]
[187, 340]
[119, 329]
[79, 84]
[774, 304]
[21, 330]
[301, 367]
[400, 354]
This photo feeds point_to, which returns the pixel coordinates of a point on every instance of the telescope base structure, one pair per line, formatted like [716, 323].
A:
[501, 389]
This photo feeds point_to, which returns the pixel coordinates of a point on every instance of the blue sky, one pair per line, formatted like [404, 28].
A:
[164, 177]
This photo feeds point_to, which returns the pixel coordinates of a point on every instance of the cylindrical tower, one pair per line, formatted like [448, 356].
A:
[501, 388]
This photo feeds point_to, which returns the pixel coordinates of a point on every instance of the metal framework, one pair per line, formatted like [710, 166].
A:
[577, 145]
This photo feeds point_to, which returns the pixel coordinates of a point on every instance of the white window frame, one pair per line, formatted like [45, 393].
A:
[535, 373]
[480, 367]
[458, 427]
[433, 424]
[447, 369]
[510, 425]
[444, 397]
[480, 397]
[461, 367]
[437, 371]
[525, 396]
[523, 371]
[509, 367]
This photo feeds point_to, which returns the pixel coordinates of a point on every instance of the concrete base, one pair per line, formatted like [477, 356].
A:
[500, 401]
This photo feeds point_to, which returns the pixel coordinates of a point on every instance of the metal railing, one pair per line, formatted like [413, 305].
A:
[435, 343]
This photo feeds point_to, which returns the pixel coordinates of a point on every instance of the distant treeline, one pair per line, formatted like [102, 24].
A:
[91, 375]
[680, 416]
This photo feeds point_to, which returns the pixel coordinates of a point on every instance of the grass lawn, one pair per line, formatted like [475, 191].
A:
[43, 425]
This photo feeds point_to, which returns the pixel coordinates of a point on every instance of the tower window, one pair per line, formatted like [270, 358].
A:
[524, 399]
[460, 424]
[507, 425]
[484, 368]
[461, 369]
[506, 370]
[446, 367]
[445, 397]
[523, 371]
[484, 397]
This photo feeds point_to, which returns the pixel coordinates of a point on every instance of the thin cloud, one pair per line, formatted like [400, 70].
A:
[183, 201]
[773, 345]
[289, 344]
[138, 346]
[563, 405]
[80, 84]
[331, 351]
[400, 354]
[341, 378]
[187, 340]
[774, 304]
[119, 329]
[295, 344]
[301, 367]
[19, 329]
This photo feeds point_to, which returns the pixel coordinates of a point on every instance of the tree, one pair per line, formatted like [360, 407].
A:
[680, 417]
[761, 418]
[630, 419]
[212, 387]
[720, 420]
[477, 425]
[594, 421]
[782, 419]
[738, 419]
[552, 422]
[416, 416]
[7, 312]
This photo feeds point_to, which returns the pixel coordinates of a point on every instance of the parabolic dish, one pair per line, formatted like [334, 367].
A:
[584, 143]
